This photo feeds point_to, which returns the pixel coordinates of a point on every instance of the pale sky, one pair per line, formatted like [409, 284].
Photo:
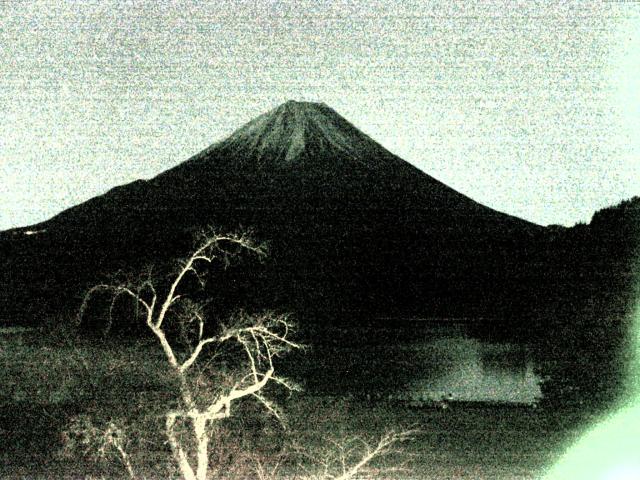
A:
[531, 108]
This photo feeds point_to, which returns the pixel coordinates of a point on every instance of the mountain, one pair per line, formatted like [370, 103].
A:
[355, 232]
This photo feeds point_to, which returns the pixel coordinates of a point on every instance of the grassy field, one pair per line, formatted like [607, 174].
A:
[51, 386]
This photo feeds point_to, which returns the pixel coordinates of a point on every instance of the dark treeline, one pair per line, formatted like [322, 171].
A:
[586, 306]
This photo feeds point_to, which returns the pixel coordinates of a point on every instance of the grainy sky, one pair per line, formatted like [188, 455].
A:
[529, 107]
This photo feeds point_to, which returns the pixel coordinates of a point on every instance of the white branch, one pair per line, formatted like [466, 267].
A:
[382, 448]
[224, 402]
[164, 343]
[254, 371]
[268, 405]
[196, 352]
[201, 255]
[178, 453]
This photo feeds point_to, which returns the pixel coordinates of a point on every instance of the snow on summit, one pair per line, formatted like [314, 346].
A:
[294, 130]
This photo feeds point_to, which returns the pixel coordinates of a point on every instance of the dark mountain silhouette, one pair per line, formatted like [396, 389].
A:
[352, 228]
[356, 235]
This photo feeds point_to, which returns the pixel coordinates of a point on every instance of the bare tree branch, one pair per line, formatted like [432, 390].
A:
[196, 353]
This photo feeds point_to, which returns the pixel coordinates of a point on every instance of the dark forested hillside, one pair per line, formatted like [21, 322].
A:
[588, 301]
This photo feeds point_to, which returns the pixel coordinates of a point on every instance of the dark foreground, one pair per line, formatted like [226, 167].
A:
[46, 385]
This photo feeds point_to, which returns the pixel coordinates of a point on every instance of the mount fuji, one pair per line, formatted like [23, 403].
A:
[354, 231]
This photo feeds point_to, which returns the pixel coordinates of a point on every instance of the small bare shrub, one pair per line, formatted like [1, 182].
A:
[96, 442]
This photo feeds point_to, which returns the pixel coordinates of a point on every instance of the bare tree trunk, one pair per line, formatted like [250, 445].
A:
[178, 452]
[202, 442]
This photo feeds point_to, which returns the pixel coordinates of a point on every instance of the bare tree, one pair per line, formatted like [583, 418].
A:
[180, 327]
[260, 338]
[352, 458]
[96, 442]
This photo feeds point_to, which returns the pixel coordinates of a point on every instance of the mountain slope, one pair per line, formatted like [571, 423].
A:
[354, 230]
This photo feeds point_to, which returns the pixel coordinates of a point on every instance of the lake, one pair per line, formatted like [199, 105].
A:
[452, 365]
